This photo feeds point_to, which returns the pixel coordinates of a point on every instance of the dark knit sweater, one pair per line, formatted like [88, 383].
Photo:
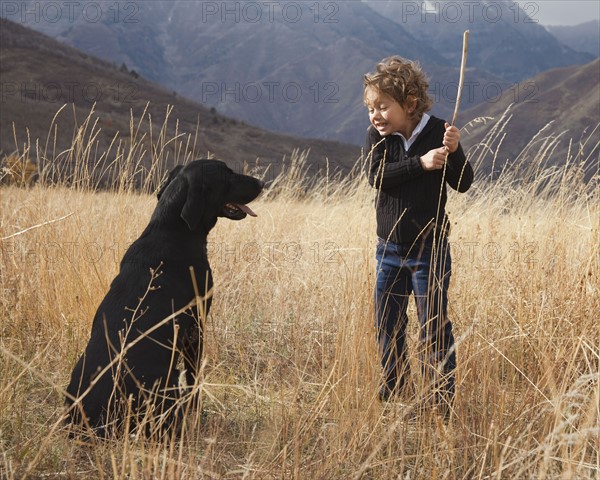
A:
[408, 196]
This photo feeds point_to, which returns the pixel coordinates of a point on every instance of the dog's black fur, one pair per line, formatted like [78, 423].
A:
[153, 283]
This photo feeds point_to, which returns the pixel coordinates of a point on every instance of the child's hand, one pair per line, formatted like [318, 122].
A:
[451, 138]
[434, 159]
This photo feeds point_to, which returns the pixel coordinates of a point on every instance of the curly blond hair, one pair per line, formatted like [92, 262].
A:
[403, 80]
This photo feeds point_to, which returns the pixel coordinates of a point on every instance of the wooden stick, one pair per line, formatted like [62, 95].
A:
[461, 80]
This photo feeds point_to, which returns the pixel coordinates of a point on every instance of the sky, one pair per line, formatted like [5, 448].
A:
[561, 12]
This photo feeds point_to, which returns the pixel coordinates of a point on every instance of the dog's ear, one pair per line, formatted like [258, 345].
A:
[193, 209]
[206, 184]
[172, 174]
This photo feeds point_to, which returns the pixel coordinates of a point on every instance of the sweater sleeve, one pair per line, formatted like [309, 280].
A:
[459, 173]
[388, 168]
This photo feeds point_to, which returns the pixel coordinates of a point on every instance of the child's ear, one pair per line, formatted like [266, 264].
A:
[411, 104]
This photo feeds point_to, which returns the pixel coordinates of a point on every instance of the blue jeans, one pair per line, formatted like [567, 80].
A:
[416, 269]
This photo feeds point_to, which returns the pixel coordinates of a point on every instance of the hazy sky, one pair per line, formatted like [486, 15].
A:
[561, 12]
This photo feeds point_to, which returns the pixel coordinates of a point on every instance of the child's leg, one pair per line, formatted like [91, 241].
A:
[431, 279]
[391, 300]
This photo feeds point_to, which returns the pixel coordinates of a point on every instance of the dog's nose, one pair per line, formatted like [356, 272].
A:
[261, 184]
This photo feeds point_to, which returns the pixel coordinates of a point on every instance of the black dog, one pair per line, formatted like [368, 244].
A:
[152, 315]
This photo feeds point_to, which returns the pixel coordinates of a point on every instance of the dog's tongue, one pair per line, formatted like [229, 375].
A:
[246, 209]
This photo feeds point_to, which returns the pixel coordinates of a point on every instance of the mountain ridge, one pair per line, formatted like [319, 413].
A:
[217, 54]
[583, 37]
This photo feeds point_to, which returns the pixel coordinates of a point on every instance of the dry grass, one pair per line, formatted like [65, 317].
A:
[289, 384]
[18, 170]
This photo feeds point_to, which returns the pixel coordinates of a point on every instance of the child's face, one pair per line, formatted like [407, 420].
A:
[387, 115]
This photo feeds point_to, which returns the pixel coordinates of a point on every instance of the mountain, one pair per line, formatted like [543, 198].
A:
[560, 105]
[297, 67]
[582, 38]
[304, 76]
[39, 75]
[504, 37]
[294, 70]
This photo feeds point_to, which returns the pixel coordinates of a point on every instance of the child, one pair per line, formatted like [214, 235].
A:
[407, 150]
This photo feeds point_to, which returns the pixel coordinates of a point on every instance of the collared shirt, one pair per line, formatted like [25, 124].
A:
[415, 133]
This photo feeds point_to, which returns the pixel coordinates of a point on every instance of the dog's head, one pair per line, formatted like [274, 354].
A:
[204, 190]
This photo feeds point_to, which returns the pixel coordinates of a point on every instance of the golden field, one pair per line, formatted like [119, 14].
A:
[289, 385]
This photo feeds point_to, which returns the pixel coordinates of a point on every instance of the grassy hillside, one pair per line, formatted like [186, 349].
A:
[289, 384]
[555, 113]
[40, 75]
